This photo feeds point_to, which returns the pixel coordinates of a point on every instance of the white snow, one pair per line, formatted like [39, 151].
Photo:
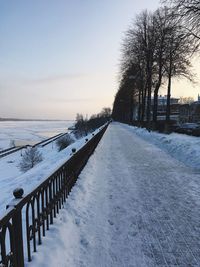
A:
[30, 131]
[133, 206]
[10, 175]
[180, 146]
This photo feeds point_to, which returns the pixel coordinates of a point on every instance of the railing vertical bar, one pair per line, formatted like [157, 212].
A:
[39, 218]
[33, 224]
[46, 207]
[43, 213]
[28, 232]
[54, 196]
[51, 202]
[3, 245]
[57, 196]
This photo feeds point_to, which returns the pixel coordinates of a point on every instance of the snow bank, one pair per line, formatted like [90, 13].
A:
[183, 147]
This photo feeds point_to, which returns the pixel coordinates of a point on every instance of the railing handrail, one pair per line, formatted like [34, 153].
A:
[44, 201]
[8, 213]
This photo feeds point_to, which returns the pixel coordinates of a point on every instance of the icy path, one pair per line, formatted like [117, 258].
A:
[133, 205]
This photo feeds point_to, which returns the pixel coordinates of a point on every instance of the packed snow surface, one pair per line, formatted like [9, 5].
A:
[133, 205]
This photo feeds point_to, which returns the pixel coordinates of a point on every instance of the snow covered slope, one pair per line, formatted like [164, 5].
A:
[11, 177]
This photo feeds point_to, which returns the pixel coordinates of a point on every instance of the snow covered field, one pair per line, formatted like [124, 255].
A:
[31, 131]
[133, 206]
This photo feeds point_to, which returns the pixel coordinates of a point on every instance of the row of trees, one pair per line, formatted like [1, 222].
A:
[156, 47]
[83, 125]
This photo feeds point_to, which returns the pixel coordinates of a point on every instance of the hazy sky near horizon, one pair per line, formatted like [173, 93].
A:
[60, 57]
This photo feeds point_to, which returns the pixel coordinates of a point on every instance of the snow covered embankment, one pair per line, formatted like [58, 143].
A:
[183, 147]
[11, 177]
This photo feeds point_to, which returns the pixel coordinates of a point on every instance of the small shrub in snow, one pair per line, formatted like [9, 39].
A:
[64, 142]
[12, 143]
[30, 158]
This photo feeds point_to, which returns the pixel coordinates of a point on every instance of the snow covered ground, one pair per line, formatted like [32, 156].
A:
[180, 146]
[29, 131]
[134, 205]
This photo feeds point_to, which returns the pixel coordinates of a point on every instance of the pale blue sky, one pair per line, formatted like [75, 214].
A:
[60, 57]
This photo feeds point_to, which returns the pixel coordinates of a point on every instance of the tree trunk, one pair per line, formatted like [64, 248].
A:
[144, 95]
[148, 111]
[131, 107]
[168, 98]
[155, 100]
[169, 90]
[139, 106]
[155, 104]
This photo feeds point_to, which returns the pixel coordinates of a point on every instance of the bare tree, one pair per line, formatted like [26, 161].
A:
[178, 54]
[81, 125]
[188, 11]
[137, 62]
[161, 17]
[30, 158]
[106, 112]
[64, 142]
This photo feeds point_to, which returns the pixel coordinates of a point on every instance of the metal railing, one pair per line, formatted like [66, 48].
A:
[11, 151]
[8, 151]
[29, 217]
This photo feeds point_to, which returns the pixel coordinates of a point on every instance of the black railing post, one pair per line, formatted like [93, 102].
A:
[17, 230]
[17, 227]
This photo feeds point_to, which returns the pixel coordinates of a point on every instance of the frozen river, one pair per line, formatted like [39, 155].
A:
[29, 131]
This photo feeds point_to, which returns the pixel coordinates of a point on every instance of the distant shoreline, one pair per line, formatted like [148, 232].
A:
[15, 119]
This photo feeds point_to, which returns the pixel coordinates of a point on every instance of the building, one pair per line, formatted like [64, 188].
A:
[162, 106]
[161, 110]
[190, 112]
[162, 100]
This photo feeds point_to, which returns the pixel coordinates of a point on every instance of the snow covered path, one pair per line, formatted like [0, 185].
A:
[133, 205]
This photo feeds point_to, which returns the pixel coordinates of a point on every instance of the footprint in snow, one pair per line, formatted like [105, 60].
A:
[77, 221]
[84, 242]
[110, 222]
[132, 233]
